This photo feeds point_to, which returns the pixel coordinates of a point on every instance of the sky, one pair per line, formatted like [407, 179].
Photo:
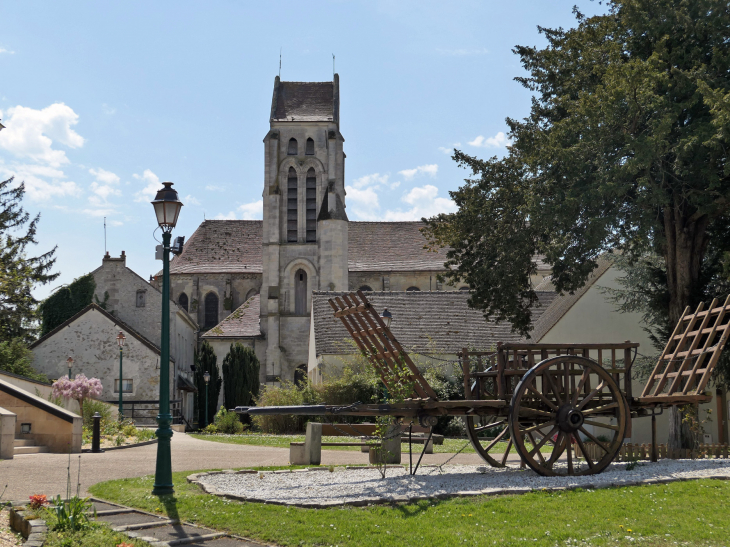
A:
[104, 100]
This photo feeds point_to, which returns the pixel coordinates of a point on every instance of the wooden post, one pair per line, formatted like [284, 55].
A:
[653, 438]
[467, 375]
[721, 398]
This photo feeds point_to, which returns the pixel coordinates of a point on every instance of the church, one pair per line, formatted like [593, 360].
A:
[252, 281]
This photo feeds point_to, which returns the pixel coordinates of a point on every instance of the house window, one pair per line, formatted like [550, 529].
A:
[311, 206]
[310, 147]
[292, 213]
[182, 300]
[413, 289]
[365, 288]
[300, 292]
[141, 298]
[300, 376]
[127, 385]
[211, 310]
[293, 148]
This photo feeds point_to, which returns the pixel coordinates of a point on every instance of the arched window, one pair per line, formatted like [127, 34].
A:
[464, 288]
[311, 206]
[300, 376]
[292, 215]
[365, 288]
[300, 292]
[293, 148]
[413, 289]
[310, 147]
[211, 310]
[252, 292]
[182, 300]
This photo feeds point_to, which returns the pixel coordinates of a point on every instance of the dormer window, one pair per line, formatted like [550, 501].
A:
[310, 147]
[141, 294]
[293, 149]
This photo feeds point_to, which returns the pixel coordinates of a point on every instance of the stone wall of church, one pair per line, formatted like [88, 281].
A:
[196, 287]
[294, 343]
[398, 281]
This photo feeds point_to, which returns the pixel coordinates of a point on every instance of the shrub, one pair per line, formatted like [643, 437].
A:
[92, 406]
[227, 422]
[285, 395]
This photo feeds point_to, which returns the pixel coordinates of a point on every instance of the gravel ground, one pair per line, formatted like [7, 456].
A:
[322, 488]
[7, 538]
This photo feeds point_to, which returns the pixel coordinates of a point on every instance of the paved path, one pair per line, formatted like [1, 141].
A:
[46, 473]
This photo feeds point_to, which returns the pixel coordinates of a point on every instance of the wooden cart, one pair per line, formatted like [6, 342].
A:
[546, 401]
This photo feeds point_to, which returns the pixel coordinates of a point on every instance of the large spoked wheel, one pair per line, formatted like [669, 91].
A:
[490, 437]
[568, 401]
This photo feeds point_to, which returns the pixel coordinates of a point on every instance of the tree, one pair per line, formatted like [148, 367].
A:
[66, 302]
[625, 148]
[16, 358]
[241, 376]
[19, 272]
[80, 388]
[205, 361]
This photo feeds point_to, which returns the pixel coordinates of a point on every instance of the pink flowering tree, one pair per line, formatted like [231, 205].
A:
[80, 388]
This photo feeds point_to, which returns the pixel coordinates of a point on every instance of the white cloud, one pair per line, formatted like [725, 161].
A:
[449, 149]
[253, 210]
[102, 193]
[365, 197]
[38, 188]
[104, 176]
[424, 202]
[221, 216]
[370, 180]
[108, 110]
[98, 212]
[500, 140]
[190, 200]
[152, 184]
[30, 133]
[431, 169]
[462, 52]
[214, 188]
[9, 52]
[115, 222]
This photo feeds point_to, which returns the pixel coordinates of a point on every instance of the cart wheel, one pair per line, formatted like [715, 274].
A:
[555, 401]
[490, 437]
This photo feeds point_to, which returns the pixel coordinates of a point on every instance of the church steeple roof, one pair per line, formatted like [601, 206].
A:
[306, 101]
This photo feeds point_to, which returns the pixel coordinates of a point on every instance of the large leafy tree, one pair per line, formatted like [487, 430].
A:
[625, 148]
[20, 272]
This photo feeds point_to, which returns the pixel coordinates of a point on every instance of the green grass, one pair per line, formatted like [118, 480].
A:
[683, 513]
[96, 534]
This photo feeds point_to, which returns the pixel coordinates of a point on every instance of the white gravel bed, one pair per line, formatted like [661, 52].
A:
[323, 488]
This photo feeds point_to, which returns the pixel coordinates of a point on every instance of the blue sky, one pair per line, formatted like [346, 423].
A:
[103, 100]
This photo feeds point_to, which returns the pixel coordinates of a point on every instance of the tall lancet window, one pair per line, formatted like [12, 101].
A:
[311, 206]
[292, 215]
[310, 147]
[293, 149]
[300, 292]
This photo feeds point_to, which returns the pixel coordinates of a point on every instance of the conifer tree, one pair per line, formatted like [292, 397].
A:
[206, 361]
[241, 376]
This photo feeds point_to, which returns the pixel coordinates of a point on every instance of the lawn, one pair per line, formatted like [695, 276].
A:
[682, 513]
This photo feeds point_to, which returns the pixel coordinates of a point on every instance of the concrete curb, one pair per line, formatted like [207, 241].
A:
[108, 449]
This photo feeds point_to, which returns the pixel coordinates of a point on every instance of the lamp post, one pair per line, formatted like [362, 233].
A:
[70, 363]
[206, 377]
[167, 208]
[120, 340]
[387, 317]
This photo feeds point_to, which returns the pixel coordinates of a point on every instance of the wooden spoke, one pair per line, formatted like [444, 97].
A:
[593, 438]
[600, 409]
[490, 449]
[568, 444]
[592, 394]
[489, 426]
[585, 452]
[546, 438]
[601, 424]
[506, 452]
[537, 427]
[557, 449]
[542, 397]
[533, 411]
[576, 393]
[539, 454]
[556, 391]
[496, 440]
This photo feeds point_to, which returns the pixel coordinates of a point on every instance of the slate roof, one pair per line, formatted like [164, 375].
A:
[244, 322]
[221, 246]
[563, 303]
[427, 322]
[304, 101]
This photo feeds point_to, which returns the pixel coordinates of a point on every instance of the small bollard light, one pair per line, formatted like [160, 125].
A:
[96, 433]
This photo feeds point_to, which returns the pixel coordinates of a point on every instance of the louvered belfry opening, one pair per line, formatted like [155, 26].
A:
[291, 207]
[311, 206]
[293, 149]
[310, 147]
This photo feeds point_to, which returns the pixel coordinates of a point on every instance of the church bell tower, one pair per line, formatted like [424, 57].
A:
[305, 225]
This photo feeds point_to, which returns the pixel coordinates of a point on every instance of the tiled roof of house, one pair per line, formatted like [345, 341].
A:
[244, 322]
[221, 246]
[564, 302]
[425, 322]
[304, 101]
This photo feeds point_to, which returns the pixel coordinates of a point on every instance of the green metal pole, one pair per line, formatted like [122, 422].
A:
[206, 404]
[121, 404]
[163, 469]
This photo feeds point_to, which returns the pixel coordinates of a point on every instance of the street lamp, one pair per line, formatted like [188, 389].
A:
[120, 340]
[167, 208]
[70, 363]
[387, 317]
[206, 377]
